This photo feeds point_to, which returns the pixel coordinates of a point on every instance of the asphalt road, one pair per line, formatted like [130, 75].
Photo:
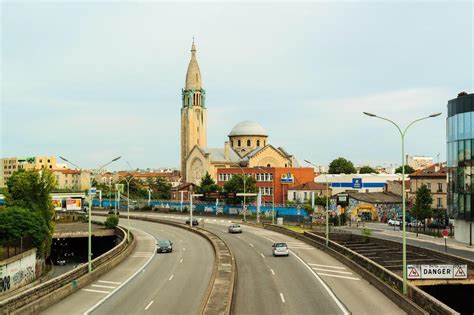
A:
[172, 283]
[307, 282]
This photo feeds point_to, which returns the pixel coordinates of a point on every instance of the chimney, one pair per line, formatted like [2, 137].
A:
[226, 150]
[437, 168]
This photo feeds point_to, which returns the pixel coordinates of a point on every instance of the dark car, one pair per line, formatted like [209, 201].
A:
[114, 211]
[195, 221]
[164, 246]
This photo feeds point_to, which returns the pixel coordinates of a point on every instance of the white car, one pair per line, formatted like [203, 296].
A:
[394, 222]
[235, 228]
[280, 249]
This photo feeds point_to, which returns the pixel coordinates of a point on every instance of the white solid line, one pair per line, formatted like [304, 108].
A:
[262, 255]
[324, 285]
[113, 282]
[251, 244]
[149, 304]
[327, 266]
[125, 282]
[171, 278]
[102, 286]
[273, 272]
[282, 297]
[336, 276]
[329, 270]
[181, 261]
[95, 291]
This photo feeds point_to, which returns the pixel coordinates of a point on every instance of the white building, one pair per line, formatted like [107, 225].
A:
[419, 162]
[357, 182]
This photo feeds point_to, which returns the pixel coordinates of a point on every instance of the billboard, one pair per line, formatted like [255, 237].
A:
[287, 178]
[57, 204]
[357, 183]
[73, 204]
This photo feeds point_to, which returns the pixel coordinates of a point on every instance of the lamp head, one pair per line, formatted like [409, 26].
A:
[117, 158]
[63, 159]
[370, 114]
[435, 115]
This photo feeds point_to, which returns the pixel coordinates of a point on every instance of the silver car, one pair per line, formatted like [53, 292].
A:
[235, 228]
[280, 249]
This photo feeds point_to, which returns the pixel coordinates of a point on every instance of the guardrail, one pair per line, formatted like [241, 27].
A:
[40, 297]
[417, 301]
[219, 293]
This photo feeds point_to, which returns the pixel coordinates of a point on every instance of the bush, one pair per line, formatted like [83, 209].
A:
[112, 221]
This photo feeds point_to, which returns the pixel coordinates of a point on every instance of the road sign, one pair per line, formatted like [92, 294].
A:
[460, 272]
[445, 233]
[93, 190]
[413, 272]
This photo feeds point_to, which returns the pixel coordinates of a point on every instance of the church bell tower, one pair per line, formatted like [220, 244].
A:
[193, 113]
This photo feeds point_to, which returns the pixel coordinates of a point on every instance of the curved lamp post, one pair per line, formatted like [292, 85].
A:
[402, 135]
[89, 254]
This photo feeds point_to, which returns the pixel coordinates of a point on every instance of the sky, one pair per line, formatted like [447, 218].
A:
[94, 80]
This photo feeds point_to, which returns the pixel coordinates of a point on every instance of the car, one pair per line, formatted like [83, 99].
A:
[235, 228]
[114, 211]
[164, 246]
[394, 222]
[195, 221]
[280, 249]
[60, 261]
[415, 223]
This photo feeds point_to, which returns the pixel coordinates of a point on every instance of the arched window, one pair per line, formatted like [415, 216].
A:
[232, 143]
[258, 143]
[268, 165]
[238, 143]
[248, 143]
[264, 143]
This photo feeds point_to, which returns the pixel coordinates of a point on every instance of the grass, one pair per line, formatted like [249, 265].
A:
[296, 228]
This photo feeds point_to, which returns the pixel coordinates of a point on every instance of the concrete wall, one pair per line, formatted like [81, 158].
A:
[461, 231]
[17, 271]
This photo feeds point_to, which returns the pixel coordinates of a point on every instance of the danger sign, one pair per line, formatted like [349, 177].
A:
[436, 271]
[460, 272]
[413, 272]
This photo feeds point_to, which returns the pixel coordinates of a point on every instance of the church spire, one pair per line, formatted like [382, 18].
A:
[193, 76]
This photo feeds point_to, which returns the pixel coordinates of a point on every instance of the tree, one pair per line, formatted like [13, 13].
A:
[17, 223]
[207, 185]
[422, 208]
[236, 185]
[408, 169]
[341, 165]
[367, 170]
[161, 188]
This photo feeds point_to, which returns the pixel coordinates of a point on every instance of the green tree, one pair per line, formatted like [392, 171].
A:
[161, 188]
[207, 185]
[341, 165]
[112, 221]
[236, 185]
[17, 222]
[408, 169]
[422, 207]
[367, 170]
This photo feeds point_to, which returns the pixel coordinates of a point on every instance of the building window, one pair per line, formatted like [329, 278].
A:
[268, 165]
[294, 195]
[440, 187]
[258, 143]
[238, 143]
[232, 143]
[249, 143]
[429, 186]
[440, 205]
[305, 195]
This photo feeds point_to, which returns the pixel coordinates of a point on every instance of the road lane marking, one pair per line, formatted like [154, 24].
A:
[251, 245]
[336, 276]
[149, 304]
[96, 291]
[273, 272]
[262, 255]
[341, 306]
[329, 270]
[171, 278]
[102, 286]
[112, 282]
[282, 297]
[184, 249]
[181, 261]
[326, 266]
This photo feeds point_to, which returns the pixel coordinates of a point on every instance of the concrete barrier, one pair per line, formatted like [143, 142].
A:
[220, 291]
[417, 301]
[40, 297]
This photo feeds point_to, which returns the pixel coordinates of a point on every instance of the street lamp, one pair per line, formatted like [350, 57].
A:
[273, 194]
[327, 203]
[402, 135]
[89, 254]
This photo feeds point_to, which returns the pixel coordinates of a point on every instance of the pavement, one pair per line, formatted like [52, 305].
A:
[309, 281]
[384, 231]
[146, 282]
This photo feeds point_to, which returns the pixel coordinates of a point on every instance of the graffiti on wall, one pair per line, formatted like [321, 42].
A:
[17, 273]
[384, 211]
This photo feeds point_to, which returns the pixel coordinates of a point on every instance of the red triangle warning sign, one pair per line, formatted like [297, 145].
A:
[460, 272]
[413, 273]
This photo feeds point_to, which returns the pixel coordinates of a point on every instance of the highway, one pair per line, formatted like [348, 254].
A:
[307, 282]
[172, 283]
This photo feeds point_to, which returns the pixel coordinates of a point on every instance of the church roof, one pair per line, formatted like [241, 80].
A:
[248, 128]
[193, 75]
[218, 155]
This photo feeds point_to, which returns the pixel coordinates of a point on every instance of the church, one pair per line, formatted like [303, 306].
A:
[247, 144]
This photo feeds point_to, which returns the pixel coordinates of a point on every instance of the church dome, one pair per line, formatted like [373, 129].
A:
[248, 128]
[193, 75]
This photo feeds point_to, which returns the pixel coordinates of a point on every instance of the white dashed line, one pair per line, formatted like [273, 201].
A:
[184, 249]
[273, 272]
[328, 270]
[149, 304]
[96, 291]
[251, 245]
[282, 297]
[171, 278]
[262, 255]
[102, 286]
[112, 282]
[181, 261]
[326, 266]
[336, 276]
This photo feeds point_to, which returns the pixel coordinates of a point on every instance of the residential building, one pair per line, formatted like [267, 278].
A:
[395, 187]
[419, 162]
[272, 182]
[11, 164]
[362, 183]
[72, 179]
[172, 177]
[460, 144]
[303, 192]
[435, 178]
